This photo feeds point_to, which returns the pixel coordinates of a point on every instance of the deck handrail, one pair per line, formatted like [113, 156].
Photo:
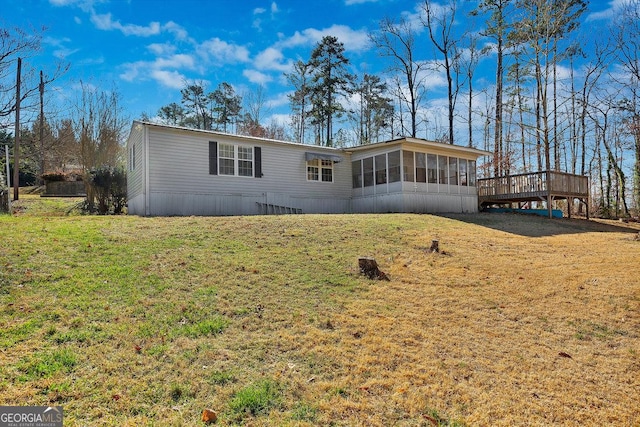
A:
[534, 183]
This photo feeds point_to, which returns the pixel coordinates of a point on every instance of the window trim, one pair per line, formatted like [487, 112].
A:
[255, 152]
[321, 165]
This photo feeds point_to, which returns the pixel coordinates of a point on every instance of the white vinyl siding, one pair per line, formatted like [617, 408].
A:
[280, 167]
[180, 172]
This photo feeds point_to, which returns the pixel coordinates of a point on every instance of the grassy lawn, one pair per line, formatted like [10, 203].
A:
[148, 321]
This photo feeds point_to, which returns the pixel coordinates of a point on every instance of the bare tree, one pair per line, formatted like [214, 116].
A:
[373, 108]
[498, 28]
[626, 42]
[299, 100]
[396, 40]
[254, 105]
[439, 23]
[16, 43]
[541, 26]
[100, 125]
[469, 64]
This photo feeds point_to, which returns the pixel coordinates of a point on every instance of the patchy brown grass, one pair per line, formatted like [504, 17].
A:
[147, 321]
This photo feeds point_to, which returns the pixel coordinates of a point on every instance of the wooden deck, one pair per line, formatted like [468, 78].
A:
[535, 186]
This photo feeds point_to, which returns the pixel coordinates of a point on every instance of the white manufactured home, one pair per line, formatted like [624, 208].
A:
[180, 171]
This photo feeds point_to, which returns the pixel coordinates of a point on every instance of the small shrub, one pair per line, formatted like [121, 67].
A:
[54, 176]
[108, 186]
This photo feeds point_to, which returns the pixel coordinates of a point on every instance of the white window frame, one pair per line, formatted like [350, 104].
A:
[316, 169]
[223, 147]
[132, 166]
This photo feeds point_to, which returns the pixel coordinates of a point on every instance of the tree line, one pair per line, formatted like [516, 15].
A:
[81, 140]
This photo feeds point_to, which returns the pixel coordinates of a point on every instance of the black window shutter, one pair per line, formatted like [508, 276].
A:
[213, 158]
[257, 155]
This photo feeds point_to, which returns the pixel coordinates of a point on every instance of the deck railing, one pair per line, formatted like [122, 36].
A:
[534, 184]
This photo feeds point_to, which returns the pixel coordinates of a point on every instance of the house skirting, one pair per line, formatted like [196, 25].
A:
[181, 204]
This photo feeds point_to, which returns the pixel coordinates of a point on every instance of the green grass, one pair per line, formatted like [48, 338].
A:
[255, 399]
[46, 363]
[147, 321]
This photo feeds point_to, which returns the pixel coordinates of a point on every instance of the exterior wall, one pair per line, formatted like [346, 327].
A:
[410, 196]
[136, 171]
[172, 176]
[415, 203]
[180, 183]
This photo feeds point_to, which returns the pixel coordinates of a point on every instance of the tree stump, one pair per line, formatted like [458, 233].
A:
[369, 267]
[434, 246]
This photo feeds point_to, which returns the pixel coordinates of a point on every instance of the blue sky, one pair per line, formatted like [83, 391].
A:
[148, 48]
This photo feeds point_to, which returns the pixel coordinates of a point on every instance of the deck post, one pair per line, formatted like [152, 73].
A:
[549, 196]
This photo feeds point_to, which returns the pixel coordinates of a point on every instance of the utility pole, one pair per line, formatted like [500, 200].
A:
[16, 145]
[41, 128]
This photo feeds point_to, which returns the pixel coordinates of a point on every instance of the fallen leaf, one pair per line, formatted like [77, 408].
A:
[209, 416]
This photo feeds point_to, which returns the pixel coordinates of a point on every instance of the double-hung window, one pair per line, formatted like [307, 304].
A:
[234, 160]
[227, 159]
[245, 161]
[320, 170]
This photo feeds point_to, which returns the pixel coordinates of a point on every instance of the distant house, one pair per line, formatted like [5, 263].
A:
[181, 171]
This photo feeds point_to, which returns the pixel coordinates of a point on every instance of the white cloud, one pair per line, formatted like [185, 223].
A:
[175, 61]
[352, 2]
[163, 70]
[257, 77]
[279, 119]
[61, 51]
[170, 79]
[221, 52]
[272, 59]
[354, 40]
[259, 10]
[161, 48]
[104, 22]
[274, 8]
[611, 12]
[282, 99]
[85, 5]
[64, 53]
[177, 30]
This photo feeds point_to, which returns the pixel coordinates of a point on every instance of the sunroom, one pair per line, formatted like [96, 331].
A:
[414, 175]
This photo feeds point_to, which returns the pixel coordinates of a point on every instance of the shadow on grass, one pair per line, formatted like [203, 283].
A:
[536, 226]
